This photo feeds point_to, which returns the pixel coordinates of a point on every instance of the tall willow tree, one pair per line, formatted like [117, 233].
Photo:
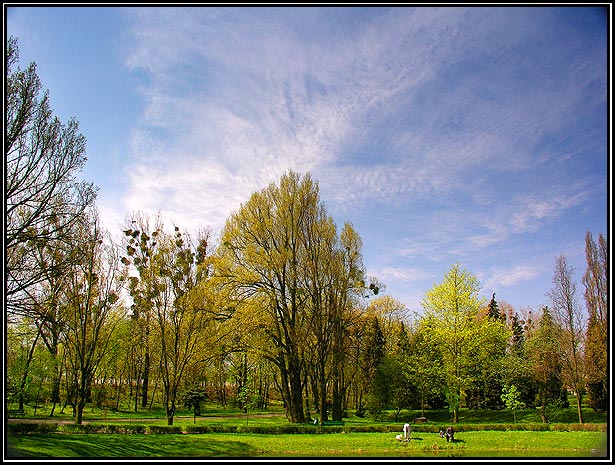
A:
[452, 324]
[347, 290]
[261, 253]
[280, 255]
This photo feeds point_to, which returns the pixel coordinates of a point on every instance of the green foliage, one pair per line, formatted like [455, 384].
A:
[512, 398]
[194, 398]
[493, 311]
[543, 349]
[374, 374]
[424, 369]
[464, 339]
[247, 397]
[293, 280]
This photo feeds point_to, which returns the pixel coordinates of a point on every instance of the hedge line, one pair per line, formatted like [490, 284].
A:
[94, 428]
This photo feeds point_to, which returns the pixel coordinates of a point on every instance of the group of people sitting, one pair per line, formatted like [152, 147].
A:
[449, 434]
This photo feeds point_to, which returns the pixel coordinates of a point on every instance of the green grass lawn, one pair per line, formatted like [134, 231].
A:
[468, 444]
[472, 443]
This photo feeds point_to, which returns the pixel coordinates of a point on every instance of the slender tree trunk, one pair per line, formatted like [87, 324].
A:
[579, 397]
[324, 415]
[57, 375]
[117, 398]
[339, 389]
[24, 378]
[337, 407]
[543, 414]
[146, 369]
[136, 393]
[169, 405]
[79, 412]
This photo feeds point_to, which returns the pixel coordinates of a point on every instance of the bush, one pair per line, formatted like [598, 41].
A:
[16, 429]
[102, 429]
[163, 430]
[201, 429]
[374, 429]
[131, 429]
[601, 427]
[87, 428]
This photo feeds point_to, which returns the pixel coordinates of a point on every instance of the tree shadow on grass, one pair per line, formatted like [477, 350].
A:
[124, 446]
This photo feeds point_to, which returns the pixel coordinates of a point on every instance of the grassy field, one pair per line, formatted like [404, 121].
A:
[423, 443]
[468, 444]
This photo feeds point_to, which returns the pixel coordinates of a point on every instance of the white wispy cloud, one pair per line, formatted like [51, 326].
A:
[406, 275]
[270, 98]
[499, 278]
[236, 97]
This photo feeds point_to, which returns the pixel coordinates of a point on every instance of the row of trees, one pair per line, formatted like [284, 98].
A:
[278, 307]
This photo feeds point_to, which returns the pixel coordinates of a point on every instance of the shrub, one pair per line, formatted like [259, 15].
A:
[86, 428]
[163, 429]
[201, 429]
[127, 429]
[16, 429]
[293, 429]
[532, 427]
[579, 427]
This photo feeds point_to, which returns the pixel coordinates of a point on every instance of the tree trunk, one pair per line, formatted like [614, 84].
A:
[337, 408]
[144, 392]
[324, 415]
[24, 378]
[79, 411]
[55, 393]
[579, 406]
[170, 412]
[339, 390]
[297, 414]
[291, 388]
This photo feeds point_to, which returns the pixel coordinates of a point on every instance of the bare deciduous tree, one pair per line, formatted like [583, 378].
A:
[44, 200]
[568, 315]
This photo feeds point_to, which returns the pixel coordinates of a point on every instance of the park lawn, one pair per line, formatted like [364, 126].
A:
[468, 444]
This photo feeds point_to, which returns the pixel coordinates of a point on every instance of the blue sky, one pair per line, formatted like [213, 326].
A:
[470, 135]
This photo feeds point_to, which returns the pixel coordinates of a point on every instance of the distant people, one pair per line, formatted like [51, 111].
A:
[406, 431]
[441, 433]
[450, 434]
